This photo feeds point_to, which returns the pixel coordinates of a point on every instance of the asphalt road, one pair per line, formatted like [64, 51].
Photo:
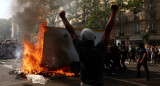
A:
[127, 79]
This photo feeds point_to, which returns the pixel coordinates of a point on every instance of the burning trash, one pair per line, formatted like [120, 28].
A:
[37, 79]
[46, 51]
[35, 60]
[43, 59]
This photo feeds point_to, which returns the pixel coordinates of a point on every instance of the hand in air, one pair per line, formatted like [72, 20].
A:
[114, 7]
[62, 14]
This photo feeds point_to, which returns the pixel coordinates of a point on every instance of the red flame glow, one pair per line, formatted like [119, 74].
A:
[32, 56]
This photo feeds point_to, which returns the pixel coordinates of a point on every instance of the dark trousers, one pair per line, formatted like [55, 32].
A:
[117, 65]
[155, 59]
[133, 58]
[122, 62]
[145, 67]
[158, 59]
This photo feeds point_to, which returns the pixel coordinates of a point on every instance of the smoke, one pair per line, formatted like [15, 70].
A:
[18, 52]
[18, 61]
[27, 15]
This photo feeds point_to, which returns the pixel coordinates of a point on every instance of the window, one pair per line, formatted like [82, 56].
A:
[136, 16]
[121, 16]
[153, 28]
[121, 31]
[107, 4]
[153, 12]
[137, 28]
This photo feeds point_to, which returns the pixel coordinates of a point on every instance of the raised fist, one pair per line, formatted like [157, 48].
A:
[62, 14]
[114, 7]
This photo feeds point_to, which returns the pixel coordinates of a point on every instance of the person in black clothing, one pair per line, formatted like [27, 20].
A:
[116, 57]
[91, 57]
[155, 56]
[142, 60]
[108, 62]
[124, 53]
[133, 53]
[159, 55]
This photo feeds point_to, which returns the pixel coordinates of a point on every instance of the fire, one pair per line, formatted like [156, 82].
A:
[32, 56]
[62, 71]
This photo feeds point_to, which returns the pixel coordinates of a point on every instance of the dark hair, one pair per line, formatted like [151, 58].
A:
[141, 45]
[123, 47]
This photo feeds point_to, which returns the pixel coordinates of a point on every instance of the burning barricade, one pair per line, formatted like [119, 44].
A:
[47, 54]
[53, 54]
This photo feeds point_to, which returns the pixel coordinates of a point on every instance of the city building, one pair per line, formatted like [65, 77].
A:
[129, 27]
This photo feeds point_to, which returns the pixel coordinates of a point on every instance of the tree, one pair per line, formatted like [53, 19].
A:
[34, 13]
[5, 26]
[134, 6]
[96, 20]
[52, 7]
[145, 37]
[92, 13]
[44, 8]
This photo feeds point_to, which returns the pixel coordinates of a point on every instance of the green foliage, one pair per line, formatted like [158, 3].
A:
[51, 8]
[93, 22]
[96, 20]
[134, 6]
[145, 37]
[93, 13]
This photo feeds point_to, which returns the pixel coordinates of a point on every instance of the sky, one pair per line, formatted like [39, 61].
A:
[5, 9]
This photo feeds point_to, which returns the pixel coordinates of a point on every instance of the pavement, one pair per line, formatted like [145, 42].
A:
[126, 79]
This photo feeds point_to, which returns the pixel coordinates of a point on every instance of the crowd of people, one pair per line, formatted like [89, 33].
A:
[154, 54]
[7, 49]
[117, 55]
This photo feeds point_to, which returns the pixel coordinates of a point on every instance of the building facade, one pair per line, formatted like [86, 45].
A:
[129, 27]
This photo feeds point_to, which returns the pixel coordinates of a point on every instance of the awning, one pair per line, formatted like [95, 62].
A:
[156, 37]
[135, 38]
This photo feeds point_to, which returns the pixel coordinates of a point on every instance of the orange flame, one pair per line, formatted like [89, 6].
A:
[32, 56]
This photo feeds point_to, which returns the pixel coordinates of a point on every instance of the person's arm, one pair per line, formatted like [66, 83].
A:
[68, 26]
[110, 23]
[144, 56]
[138, 59]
